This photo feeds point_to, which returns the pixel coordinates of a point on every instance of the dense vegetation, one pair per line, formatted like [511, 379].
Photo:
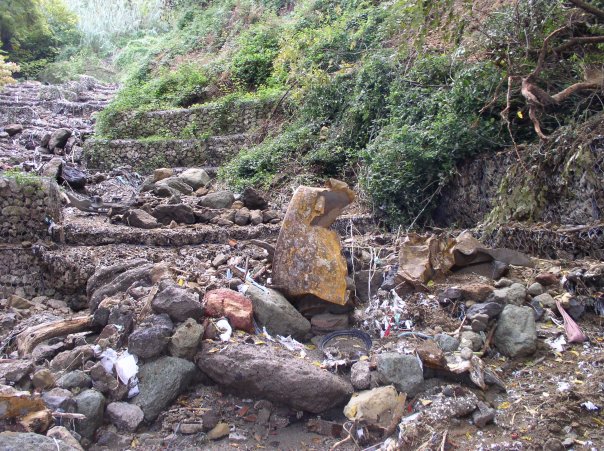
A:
[392, 94]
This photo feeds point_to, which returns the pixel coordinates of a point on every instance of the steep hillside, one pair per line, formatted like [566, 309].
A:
[391, 96]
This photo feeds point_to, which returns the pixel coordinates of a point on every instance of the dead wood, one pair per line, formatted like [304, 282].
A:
[32, 336]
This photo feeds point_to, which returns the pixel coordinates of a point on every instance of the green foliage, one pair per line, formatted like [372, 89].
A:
[252, 64]
[32, 31]
[435, 122]
[7, 69]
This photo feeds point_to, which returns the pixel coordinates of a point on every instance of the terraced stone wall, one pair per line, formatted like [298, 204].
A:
[199, 122]
[29, 206]
[146, 155]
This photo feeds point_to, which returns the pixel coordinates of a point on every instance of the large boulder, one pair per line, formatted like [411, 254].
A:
[403, 371]
[22, 441]
[195, 178]
[160, 382]
[219, 199]
[179, 303]
[267, 373]
[231, 304]
[516, 333]
[273, 310]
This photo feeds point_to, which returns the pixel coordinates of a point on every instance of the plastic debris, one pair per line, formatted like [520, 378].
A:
[573, 331]
[225, 329]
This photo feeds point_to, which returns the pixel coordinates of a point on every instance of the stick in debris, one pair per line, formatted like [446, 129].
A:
[32, 336]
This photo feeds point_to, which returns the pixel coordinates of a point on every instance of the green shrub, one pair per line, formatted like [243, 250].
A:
[252, 64]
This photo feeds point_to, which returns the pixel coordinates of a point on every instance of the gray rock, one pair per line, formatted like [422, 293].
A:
[62, 434]
[91, 404]
[16, 370]
[179, 303]
[503, 282]
[255, 217]
[362, 286]
[546, 300]
[176, 184]
[126, 417]
[185, 340]
[181, 213]
[59, 138]
[74, 379]
[108, 281]
[59, 399]
[276, 375]
[491, 309]
[538, 310]
[514, 294]
[360, 375]
[219, 199]
[535, 289]
[164, 191]
[471, 340]
[483, 415]
[242, 217]
[140, 219]
[446, 342]
[253, 200]
[273, 310]
[516, 334]
[23, 441]
[72, 359]
[13, 129]
[324, 323]
[403, 371]
[151, 337]
[195, 178]
[52, 168]
[160, 382]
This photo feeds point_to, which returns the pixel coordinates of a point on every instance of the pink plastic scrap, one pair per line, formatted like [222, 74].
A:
[573, 332]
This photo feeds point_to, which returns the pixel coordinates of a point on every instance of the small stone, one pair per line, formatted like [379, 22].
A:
[191, 428]
[546, 300]
[62, 433]
[478, 326]
[360, 375]
[13, 129]
[179, 303]
[162, 173]
[471, 340]
[220, 430]
[535, 289]
[74, 379]
[537, 309]
[483, 415]
[232, 304]
[151, 337]
[547, 279]
[476, 291]
[19, 302]
[185, 340]
[125, 416]
[242, 217]
[503, 283]
[237, 205]
[491, 309]
[514, 294]
[140, 219]
[219, 260]
[446, 342]
[466, 353]
[43, 379]
[403, 371]
[14, 371]
[59, 399]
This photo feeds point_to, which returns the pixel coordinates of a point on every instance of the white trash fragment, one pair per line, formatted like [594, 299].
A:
[563, 386]
[108, 359]
[225, 329]
[557, 344]
[589, 405]
[266, 334]
[126, 367]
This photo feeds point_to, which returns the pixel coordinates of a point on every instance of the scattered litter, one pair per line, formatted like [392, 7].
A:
[589, 405]
[557, 344]
[573, 331]
[225, 329]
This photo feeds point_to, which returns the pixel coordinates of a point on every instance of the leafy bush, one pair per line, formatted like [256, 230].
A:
[252, 64]
[435, 122]
[7, 69]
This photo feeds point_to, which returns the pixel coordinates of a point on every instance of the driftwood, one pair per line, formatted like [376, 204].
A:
[32, 336]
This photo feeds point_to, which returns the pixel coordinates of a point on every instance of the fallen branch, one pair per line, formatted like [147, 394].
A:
[32, 336]
[589, 8]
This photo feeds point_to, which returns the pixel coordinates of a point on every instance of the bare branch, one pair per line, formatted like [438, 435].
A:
[572, 89]
[543, 52]
[589, 8]
[579, 41]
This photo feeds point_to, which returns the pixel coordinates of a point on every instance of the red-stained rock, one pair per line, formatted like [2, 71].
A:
[231, 304]
[547, 279]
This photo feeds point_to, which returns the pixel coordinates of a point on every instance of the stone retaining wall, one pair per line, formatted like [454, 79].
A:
[212, 119]
[29, 205]
[145, 156]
